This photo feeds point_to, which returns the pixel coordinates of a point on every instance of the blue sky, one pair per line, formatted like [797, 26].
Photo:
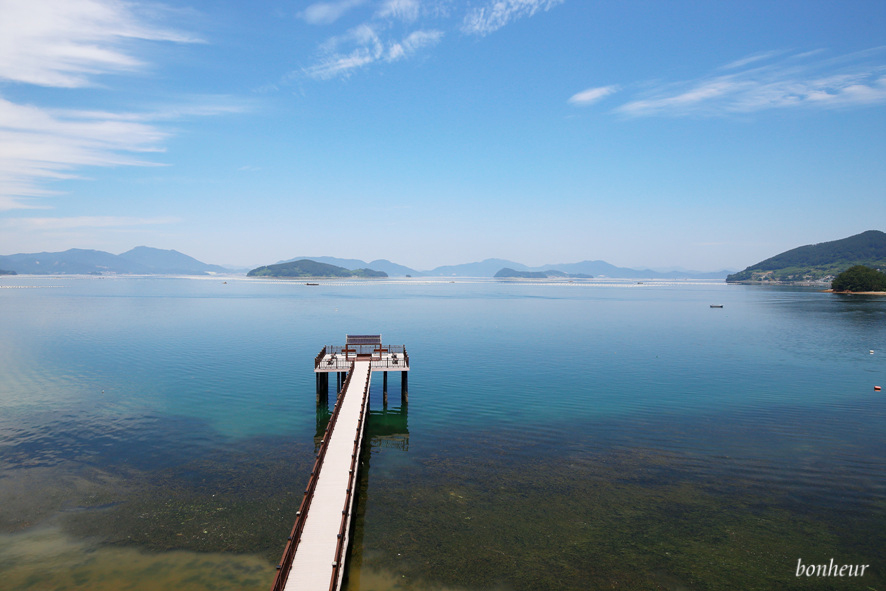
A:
[703, 135]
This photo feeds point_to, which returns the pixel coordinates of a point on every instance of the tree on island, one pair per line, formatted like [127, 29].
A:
[859, 278]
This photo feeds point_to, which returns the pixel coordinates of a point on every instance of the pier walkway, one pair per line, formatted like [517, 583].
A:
[320, 535]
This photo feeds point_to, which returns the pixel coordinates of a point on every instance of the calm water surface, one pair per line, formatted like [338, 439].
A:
[157, 433]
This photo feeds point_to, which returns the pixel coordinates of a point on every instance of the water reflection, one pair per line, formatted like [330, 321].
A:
[387, 427]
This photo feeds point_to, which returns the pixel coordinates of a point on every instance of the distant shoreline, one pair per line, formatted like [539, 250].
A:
[879, 293]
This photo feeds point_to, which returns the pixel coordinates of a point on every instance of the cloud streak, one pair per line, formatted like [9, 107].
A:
[66, 43]
[51, 224]
[404, 10]
[399, 29]
[363, 45]
[758, 83]
[39, 145]
[592, 95]
[498, 13]
[326, 13]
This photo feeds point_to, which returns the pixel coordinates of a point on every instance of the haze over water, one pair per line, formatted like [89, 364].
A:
[158, 433]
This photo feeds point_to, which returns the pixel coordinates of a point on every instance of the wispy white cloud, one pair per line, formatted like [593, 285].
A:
[39, 144]
[46, 224]
[398, 29]
[498, 13]
[412, 43]
[745, 61]
[341, 54]
[759, 83]
[592, 95]
[65, 43]
[362, 46]
[404, 10]
[326, 13]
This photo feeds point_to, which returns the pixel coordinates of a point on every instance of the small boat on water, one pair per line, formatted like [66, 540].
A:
[716, 305]
[312, 284]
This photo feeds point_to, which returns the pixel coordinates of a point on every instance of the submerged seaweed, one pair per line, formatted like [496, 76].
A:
[623, 519]
[485, 511]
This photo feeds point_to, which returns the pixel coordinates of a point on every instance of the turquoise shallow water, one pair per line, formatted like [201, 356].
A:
[557, 435]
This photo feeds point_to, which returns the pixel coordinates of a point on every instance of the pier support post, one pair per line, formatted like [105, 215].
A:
[322, 387]
[404, 387]
[385, 388]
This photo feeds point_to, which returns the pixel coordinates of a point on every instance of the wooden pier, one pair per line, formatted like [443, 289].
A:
[315, 553]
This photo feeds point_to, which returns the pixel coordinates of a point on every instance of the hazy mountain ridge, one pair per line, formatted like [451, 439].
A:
[141, 260]
[169, 262]
[604, 269]
[489, 267]
[818, 262]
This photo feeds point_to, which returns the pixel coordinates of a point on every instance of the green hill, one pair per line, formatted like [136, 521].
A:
[818, 262]
[309, 268]
[508, 273]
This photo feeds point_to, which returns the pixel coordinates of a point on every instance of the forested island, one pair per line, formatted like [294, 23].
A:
[2, 272]
[306, 268]
[508, 273]
[818, 263]
[860, 279]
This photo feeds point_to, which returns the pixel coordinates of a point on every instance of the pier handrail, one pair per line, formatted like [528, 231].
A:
[301, 516]
[340, 350]
[319, 358]
[345, 514]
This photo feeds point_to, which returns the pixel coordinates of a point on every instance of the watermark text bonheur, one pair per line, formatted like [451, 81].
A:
[830, 570]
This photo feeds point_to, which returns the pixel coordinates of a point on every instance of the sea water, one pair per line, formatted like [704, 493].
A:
[157, 433]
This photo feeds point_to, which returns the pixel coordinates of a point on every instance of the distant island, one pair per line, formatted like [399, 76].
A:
[508, 273]
[2, 272]
[818, 263]
[307, 268]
